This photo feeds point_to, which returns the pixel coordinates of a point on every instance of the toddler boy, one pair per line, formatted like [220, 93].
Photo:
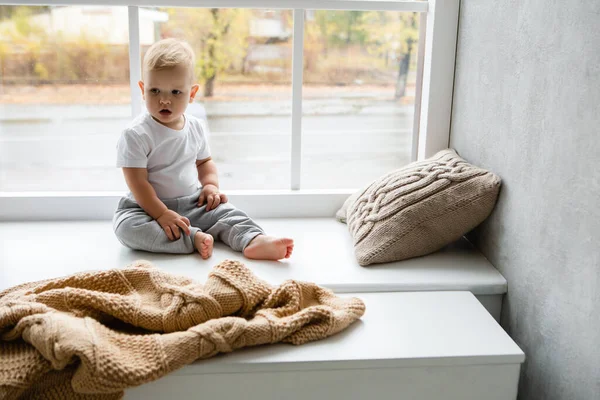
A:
[174, 204]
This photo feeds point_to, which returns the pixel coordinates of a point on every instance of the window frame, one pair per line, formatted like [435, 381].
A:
[431, 127]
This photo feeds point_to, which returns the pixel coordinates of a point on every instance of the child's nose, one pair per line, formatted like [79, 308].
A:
[165, 100]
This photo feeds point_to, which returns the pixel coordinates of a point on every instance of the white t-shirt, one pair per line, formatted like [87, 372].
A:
[168, 155]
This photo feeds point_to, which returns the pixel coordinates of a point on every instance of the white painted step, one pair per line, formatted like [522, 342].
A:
[411, 345]
[323, 254]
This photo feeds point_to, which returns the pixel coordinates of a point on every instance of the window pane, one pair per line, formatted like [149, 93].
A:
[243, 66]
[358, 96]
[64, 96]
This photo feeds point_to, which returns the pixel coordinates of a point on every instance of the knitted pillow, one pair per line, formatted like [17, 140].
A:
[418, 209]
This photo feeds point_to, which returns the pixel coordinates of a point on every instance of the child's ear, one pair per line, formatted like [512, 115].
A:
[141, 85]
[193, 92]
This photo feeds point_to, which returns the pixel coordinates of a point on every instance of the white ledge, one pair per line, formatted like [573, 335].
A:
[433, 346]
[323, 254]
[398, 330]
[83, 206]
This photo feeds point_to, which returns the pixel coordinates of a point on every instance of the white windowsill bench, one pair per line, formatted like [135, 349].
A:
[425, 334]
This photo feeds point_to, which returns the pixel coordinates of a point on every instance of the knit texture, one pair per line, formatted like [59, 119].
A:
[91, 335]
[419, 209]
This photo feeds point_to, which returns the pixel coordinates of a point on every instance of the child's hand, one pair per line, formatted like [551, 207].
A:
[171, 222]
[213, 198]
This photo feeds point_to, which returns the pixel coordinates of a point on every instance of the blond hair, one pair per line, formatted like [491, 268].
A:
[169, 53]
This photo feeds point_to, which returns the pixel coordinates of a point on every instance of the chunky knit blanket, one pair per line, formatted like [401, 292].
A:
[91, 335]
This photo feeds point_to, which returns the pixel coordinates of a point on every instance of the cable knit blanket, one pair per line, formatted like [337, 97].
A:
[92, 335]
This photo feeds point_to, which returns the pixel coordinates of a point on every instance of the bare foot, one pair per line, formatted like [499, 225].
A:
[264, 247]
[204, 244]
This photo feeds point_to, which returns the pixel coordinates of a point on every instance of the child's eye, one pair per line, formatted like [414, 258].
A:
[154, 91]
[176, 92]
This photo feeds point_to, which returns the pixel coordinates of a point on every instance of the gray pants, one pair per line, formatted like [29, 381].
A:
[137, 230]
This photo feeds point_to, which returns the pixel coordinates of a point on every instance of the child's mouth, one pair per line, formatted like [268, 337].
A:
[165, 112]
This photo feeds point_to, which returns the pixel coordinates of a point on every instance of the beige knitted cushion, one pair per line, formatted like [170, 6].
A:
[418, 209]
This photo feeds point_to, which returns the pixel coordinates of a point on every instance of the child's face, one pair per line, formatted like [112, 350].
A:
[167, 93]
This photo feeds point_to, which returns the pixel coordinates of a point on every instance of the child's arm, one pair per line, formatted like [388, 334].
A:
[145, 195]
[209, 179]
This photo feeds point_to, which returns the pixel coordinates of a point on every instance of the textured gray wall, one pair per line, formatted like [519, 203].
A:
[527, 106]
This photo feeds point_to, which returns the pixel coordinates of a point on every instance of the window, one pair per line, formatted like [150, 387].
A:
[64, 95]
[358, 96]
[303, 99]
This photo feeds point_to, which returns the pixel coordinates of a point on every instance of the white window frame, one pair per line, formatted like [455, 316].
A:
[431, 132]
